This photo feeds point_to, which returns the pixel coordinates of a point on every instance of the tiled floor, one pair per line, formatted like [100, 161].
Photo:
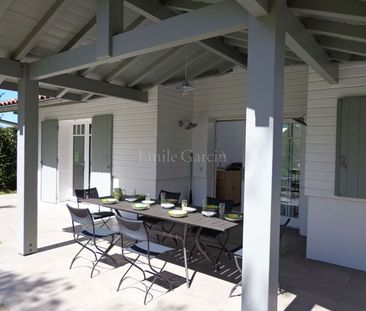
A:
[43, 281]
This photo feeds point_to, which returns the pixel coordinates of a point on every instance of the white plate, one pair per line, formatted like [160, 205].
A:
[148, 202]
[131, 199]
[208, 213]
[190, 209]
[177, 213]
[167, 205]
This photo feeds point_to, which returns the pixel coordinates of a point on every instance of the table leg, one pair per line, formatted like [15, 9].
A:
[185, 254]
[202, 249]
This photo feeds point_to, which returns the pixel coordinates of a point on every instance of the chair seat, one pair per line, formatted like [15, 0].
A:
[239, 253]
[99, 233]
[155, 249]
[99, 215]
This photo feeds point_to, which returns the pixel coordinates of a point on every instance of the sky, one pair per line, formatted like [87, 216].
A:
[5, 95]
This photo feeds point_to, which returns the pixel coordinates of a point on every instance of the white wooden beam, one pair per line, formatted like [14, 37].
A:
[336, 29]
[256, 8]
[263, 155]
[96, 87]
[211, 21]
[353, 11]
[12, 86]
[303, 44]
[119, 69]
[86, 96]
[184, 5]
[114, 72]
[4, 6]
[109, 23]
[41, 27]
[150, 68]
[195, 72]
[80, 35]
[346, 46]
[27, 164]
[156, 12]
[61, 92]
[10, 68]
[180, 66]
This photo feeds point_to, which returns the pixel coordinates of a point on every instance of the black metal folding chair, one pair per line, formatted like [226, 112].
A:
[171, 197]
[92, 193]
[238, 256]
[83, 217]
[136, 230]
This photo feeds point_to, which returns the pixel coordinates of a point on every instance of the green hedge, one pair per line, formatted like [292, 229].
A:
[8, 158]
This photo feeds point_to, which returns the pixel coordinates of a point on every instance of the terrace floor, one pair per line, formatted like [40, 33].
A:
[42, 281]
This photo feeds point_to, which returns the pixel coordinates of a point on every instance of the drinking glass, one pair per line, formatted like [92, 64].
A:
[221, 210]
[162, 197]
[204, 205]
[184, 204]
[134, 192]
[147, 197]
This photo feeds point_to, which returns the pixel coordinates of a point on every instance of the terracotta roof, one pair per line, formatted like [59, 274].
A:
[14, 101]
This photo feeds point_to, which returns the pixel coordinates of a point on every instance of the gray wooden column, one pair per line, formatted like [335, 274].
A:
[27, 164]
[263, 152]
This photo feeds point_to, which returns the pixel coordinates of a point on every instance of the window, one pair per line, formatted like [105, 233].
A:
[351, 148]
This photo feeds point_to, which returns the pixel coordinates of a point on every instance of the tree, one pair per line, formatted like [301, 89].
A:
[8, 158]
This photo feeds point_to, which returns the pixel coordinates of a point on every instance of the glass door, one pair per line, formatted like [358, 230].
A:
[81, 145]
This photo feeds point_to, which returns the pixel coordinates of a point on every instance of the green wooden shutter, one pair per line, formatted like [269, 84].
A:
[351, 148]
[101, 154]
[49, 149]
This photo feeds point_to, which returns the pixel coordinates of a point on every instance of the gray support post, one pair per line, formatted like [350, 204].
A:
[27, 164]
[109, 23]
[263, 152]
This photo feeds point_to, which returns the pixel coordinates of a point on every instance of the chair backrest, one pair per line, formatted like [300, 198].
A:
[82, 217]
[228, 203]
[133, 229]
[170, 195]
[91, 193]
[125, 215]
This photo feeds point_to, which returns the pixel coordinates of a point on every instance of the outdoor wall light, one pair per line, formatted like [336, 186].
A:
[188, 125]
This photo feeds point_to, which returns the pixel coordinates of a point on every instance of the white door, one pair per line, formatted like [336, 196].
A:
[49, 161]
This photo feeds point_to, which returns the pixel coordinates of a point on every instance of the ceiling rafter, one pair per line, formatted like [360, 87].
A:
[304, 45]
[36, 33]
[346, 46]
[156, 12]
[211, 21]
[4, 6]
[80, 35]
[256, 8]
[150, 68]
[336, 29]
[96, 87]
[114, 72]
[354, 11]
[12, 86]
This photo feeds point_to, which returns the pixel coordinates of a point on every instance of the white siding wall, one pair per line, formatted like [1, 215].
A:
[336, 225]
[220, 98]
[173, 174]
[134, 129]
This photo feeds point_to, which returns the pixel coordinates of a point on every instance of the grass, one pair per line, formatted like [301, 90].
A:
[7, 192]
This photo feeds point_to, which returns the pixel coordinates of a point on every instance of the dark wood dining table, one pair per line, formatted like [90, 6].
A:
[195, 219]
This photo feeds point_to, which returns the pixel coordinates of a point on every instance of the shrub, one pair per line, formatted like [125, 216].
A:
[8, 158]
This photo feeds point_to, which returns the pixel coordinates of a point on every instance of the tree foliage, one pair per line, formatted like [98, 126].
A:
[8, 158]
